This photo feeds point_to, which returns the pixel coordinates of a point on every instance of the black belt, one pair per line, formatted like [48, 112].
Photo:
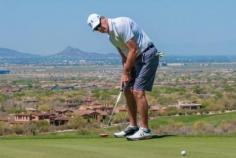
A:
[148, 47]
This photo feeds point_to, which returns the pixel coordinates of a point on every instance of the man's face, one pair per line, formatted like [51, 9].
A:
[103, 26]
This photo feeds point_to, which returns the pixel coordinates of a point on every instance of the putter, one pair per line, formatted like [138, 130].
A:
[113, 110]
[117, 101]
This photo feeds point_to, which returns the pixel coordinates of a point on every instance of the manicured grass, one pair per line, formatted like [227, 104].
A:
[72, 145]
[95, 147]
[189, 120]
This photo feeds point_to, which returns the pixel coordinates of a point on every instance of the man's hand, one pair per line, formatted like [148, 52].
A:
[125, 79]
[128, 62]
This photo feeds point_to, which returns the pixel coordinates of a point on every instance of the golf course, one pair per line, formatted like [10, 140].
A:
[77, 145]
[97, 147]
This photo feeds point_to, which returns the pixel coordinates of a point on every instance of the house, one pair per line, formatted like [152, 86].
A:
[43, 116]
[88, 114]
[157, 108]
[30, 109]
[64, 111]
[102, 115]
[22, 118]
[188, 106]
[58, 120]
[52, 118]
[4, 117]
[97, 107]
[71, 103]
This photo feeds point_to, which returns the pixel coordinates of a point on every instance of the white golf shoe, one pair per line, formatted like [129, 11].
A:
[141, 134]
[126, 132]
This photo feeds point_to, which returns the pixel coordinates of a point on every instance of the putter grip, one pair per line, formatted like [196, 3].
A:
[122, 87]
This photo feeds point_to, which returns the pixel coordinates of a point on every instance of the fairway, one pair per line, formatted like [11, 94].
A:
[95, 147]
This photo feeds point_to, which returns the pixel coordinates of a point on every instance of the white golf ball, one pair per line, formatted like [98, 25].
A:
[183, 152]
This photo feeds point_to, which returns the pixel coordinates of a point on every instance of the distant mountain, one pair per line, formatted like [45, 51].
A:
[71, 52]
[76, 53]
[73, 56]
[10, 53]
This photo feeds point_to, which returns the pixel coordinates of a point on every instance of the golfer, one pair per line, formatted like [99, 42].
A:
[140, 60]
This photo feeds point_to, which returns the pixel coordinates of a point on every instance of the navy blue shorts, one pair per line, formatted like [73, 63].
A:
[143, 73]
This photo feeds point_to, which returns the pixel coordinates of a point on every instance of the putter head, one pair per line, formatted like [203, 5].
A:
[104, 135]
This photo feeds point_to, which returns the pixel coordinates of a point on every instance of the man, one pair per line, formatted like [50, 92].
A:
[140, 60]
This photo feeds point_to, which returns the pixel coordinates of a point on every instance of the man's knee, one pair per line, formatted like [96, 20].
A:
[139, 94]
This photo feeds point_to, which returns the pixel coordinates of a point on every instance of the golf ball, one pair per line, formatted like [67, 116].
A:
[183, 152]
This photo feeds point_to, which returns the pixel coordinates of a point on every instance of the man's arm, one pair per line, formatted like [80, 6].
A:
[130, 60]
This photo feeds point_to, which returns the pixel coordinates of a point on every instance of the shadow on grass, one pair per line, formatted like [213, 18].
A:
[154, 137]
[161, 136]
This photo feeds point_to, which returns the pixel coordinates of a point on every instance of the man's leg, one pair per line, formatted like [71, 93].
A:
[145, 74]
[144, 132]
[131, 107]
[142, 105]
[132, 112]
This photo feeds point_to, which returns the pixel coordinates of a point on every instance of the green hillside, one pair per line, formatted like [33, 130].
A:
[191, 119]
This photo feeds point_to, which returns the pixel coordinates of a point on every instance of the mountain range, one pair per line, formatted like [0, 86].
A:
[68, 52]
[68, 55]
[10, 53]
[74, 55]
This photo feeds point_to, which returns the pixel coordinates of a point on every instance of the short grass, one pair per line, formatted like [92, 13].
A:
[96, 147]
[72, 145]
[191, 119]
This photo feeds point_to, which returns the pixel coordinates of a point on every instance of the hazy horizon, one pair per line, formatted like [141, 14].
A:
[178, 28]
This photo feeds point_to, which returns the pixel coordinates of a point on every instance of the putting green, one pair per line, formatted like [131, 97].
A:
[95, 147]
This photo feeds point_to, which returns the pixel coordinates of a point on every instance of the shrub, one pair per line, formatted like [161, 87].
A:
[7, 130]
[202, 128]
[77, 122]
[1, 128]
[226, 127]
[18, 129]
[120, 117]
[174, 129]
[37, 127]
[31, 128]
[42, 125]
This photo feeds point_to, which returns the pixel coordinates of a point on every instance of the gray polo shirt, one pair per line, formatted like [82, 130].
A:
[122, 29]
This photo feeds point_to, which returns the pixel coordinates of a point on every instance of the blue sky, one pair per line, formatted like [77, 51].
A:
[178, 27]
